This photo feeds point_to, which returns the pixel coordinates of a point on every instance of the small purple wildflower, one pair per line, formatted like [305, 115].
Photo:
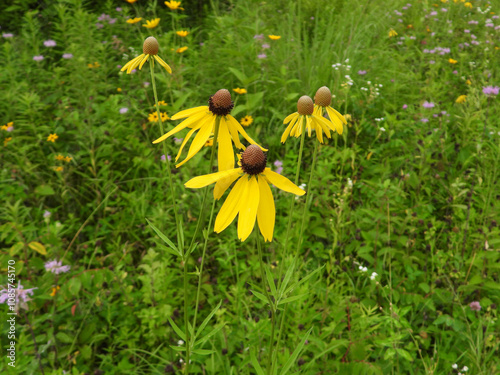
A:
[361, 72]
[444, 10]
[112, 21]
[279, 166]
[262, 56]
[99, 25]
[103, 17]
[146, 84]
[50, 43]
[455, 72]
[47, 214]
[259, 36]
[427, 104]
[7, 35]
[164, 159]
[56, 267]
[21, 296]
[473, 22]
[178, 140]
[475, 306]
[266, 46]
[432, 62]
[424, 120]
[489, 24]
[123, 110]
[67, 56]
[38, 58]
[491, 90]
[405, 106]
[118, 9]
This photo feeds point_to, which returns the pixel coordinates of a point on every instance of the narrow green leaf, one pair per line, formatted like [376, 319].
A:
[295, 354]
[270, 281]
[178, 348]
[207, 319]
[205, 338]
[177, 330]
[260, 296]
[403, 353]
[288, 275]
[291, 299]
[164, 238]
[302, 281]
[203, 351]
[38, 247]
[256, 364]
[240, 75]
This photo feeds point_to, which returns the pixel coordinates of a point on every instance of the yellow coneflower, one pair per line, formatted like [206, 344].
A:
[59, 157]
[322, 101]
[67, 159]
[134, 20]
[6, 141]
[305, 111]
[52, 138]
[461, 99]
[468, 82]
[130, 1]
[162, 102]
[392, 33]
[164, 116]
[274, 37]
[237, 90]
[59, 169]
[182, 33]
[173, 5]
[149, 48]
[181, 49]
[452, 61]
[251, 197]
[151, 24]
[56, 289]
[468, 5]
[153, 117]
[119, 89]
[94, 65]
[202, 119]
[246, 121]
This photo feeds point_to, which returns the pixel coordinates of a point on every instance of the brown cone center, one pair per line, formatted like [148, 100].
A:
[253, 160]
[150, 46]
[305, 105]
[323, 97]
[220, 103]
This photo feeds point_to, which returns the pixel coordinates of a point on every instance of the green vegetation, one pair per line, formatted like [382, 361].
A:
[398, 265]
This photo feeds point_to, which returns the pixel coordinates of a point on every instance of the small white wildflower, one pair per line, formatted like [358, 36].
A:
[373, 276]
[382, 129]
[454, 366]
[349, 182]
[180, 342]
[465, 369]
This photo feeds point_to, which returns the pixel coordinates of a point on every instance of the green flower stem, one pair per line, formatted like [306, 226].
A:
[271, 304]
[299, 242]
[172, 191]
[209, 226]
[186, 318]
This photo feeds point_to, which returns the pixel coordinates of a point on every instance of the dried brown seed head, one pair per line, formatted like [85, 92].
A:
[150, 46]
[305, 105]
[220, 103]
[323, 97]
[253, 160]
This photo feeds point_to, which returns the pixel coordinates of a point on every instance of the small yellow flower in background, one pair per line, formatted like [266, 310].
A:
[59, 157]
[67, 159]
[152, 24]
[149, 48]
[461, 99]
[52, 138]
[182, 33]
[162, 102]
[94, 65]
[409, 26]
[444, 1]
[9, 127]
[6, 141]
[246, 121]
[468, 5]
[209, 142]
[392, 33]
[452, 61]
[153, 117]
[134, 20]
[56, 289]
[251, 197]
[119, 89]
[173, 5]
[164, 116]
[348, 117]
[130, 1]
[274, 37]
[202, 119]
[468, 82]
[237, 90]
[59, 169]
[181, 49]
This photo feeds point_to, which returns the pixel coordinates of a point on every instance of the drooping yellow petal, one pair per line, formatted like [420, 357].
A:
[234, 134]
[202, 181]
[230, 208]
[200, 139]
[266, 213]
[339, 115]
[222, 184]
[182, 125]
[290, 126]
[225, 156]
[186, 139]
[189, 112]
[291, 117]
[283, 183]
[308, 125]
[324, 124]
[248, 208]
[130, 63]
[335, 120]
[233, 123]
[135, 64]
[163, 63]
[143, 61]
[319, 130]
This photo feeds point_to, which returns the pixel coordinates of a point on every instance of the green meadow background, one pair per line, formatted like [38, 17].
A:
[402, 229]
